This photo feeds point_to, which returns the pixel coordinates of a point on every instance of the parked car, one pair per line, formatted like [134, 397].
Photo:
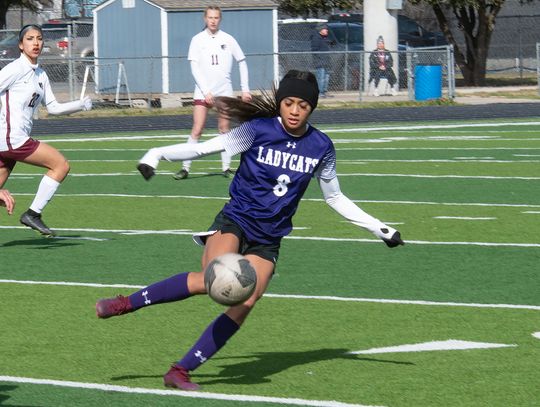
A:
[57, 42]
[294, 42]
[9, 46]
[410, 33]
[294, 35]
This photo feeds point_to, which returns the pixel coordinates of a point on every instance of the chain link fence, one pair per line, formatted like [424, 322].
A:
[350, 71]
[138, 82]
[69, 61]
[512, 48]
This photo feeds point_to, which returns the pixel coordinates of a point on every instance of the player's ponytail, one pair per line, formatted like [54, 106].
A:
[295, 83]
[263, 105]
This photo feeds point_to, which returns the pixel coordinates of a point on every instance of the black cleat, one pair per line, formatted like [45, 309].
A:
[33, 220]
[228, 173]
[395, 240]
[146, 171]
[182, 174]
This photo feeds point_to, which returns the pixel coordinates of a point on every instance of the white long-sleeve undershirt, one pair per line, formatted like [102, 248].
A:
[350, 211]
[56, 108]
[184, 151]
[244, 75]
[329, 187]
[199, 77]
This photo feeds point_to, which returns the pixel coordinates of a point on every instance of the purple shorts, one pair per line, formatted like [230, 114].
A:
[9, 158]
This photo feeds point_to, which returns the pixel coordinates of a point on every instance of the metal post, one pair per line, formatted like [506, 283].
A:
[538, 67]
[410, 73]
[360, 75]
[70, 63]
[452, 72]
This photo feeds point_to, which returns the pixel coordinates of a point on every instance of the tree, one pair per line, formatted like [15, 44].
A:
[476, 21]
[315, 7]
[32, 5]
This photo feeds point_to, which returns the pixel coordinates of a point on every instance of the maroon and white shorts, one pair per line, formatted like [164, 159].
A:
[201, 102]
[9, 158]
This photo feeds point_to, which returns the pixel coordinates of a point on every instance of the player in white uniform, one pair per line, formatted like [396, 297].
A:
[23, 86]
[211, 54]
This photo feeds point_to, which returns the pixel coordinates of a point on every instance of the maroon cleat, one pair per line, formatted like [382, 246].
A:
[178, 377]
[110, 307]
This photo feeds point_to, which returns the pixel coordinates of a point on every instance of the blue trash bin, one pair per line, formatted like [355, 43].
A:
[427, 82]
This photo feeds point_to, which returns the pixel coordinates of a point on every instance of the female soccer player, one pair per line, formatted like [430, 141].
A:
[23, 86]
[211, 54]
[281, 153]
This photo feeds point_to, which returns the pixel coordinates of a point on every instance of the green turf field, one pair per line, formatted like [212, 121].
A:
[446, 320]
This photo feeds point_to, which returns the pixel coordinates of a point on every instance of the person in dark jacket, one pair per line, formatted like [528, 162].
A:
[321, 46]
[380, 64]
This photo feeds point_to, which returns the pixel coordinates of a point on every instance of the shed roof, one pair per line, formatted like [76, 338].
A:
[224, 4]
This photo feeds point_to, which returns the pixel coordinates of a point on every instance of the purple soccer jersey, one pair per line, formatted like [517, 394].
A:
[275, 171]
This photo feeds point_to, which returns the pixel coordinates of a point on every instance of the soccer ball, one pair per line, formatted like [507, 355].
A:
[230, 279]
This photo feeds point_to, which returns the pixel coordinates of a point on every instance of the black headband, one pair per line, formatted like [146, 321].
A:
[301, 88]
[28, 27]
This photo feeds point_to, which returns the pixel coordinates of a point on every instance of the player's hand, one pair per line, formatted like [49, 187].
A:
[246, 97]
[86, 103]
[7, 200]
[209, 99]
[394, 241]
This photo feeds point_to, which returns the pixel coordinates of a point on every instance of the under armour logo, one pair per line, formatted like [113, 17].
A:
[289, 144]
[199, 355]
[146, 300]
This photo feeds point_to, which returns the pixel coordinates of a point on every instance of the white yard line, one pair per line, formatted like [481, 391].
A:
[437, 176]
[450, 344]
[178, 393]
[463, 218]
[133, 173]
[438, 149]
[325, 129]
[295, 296]
[187, 232]
[225, 198]
[455, 160]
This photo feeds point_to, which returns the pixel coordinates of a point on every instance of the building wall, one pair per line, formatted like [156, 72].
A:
[132, 35]
[251, 28]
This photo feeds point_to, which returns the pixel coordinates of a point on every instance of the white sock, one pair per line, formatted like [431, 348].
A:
[186, 165]
[225, 160]
[47, 188]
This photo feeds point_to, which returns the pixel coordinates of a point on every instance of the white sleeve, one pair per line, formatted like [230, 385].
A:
[184, 151]
[65, 108]
[244, 75]
[8, 75]
[238, 54]
[239, 139]
[198, 75]
[350, 211]
[53, 106]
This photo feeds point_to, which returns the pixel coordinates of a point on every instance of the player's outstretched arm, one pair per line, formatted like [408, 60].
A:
[57, 108]
[178, 152]
[350, 211]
